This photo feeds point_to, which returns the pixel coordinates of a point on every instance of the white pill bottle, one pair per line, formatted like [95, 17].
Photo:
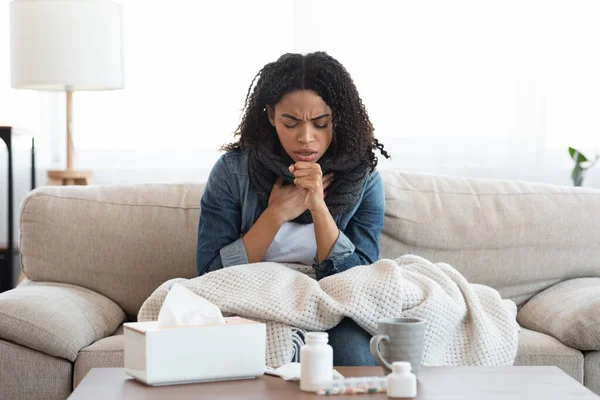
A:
[401, 383]
[316, 361]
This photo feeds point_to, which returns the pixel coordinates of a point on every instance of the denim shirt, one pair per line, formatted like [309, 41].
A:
[230, 206]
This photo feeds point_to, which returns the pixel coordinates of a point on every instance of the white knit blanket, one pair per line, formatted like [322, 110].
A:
[466, 324]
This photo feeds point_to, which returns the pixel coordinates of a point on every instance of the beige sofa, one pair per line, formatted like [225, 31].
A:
[93, 254]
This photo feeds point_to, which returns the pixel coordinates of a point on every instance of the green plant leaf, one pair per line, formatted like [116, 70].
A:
[577, 156]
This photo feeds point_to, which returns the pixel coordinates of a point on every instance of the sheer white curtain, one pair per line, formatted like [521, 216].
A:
[482, 88]
[470, 87]
[437, 77]
[574, 76]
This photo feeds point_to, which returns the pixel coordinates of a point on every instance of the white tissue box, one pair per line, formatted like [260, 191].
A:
[165, 355]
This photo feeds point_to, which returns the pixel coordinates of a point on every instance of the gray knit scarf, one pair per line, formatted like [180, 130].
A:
[344, 192]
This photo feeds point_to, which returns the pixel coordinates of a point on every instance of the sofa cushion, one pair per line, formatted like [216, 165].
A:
[513, 236]
[56, 319]
[105, 353]
[592, 371]
[536, 348]
[27, 374]
[121, 241]
[569, 311]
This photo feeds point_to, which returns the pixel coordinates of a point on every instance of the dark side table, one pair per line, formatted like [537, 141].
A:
[7, 253]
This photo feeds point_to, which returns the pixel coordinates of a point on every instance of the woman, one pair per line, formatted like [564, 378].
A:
[300, 184]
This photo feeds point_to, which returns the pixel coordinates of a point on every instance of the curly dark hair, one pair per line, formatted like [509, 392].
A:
[352, 128]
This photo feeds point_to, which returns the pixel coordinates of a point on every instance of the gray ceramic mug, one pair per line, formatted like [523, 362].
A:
[399, 339]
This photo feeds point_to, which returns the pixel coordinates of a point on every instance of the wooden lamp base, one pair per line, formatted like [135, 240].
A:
[69, 177]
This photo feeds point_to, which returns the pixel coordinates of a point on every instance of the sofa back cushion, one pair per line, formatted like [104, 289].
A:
[121, 241]
[517, 237]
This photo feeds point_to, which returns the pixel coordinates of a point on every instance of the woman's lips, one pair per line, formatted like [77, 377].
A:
[306, 155]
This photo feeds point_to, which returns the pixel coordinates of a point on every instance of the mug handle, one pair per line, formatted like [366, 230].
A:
[375, 350]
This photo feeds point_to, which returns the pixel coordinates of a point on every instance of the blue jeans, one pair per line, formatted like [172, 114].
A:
[350, 345]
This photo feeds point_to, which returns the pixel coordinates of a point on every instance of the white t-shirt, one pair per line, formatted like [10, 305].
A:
[293, 243]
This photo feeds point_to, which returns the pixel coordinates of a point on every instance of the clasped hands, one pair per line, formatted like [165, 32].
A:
[307, 193]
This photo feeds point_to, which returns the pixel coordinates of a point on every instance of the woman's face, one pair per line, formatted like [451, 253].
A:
[303, 124]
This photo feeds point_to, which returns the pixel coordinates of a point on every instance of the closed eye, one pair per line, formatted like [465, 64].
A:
[298, 120]
[316, 126]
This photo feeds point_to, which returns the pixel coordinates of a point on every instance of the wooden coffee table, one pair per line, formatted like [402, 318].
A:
[481, 383]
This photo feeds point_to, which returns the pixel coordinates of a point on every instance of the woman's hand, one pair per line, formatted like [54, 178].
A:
[287, 201]
[310, 178]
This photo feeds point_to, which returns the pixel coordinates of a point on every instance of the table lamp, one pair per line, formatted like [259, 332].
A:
[66, 45]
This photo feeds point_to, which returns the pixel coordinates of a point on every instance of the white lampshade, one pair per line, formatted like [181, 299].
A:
[66, 45]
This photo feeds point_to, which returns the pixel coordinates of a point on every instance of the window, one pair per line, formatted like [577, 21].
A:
[469, 87]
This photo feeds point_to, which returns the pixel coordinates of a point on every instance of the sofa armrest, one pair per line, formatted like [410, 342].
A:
[55, 318]
[568, 311]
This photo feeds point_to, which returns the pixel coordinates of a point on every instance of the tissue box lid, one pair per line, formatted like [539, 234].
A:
[153, 326]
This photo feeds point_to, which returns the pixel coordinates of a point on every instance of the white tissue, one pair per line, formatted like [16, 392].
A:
[184, 307]
[291, 372]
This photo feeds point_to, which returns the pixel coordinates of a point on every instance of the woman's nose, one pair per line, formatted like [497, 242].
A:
[305, 134]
